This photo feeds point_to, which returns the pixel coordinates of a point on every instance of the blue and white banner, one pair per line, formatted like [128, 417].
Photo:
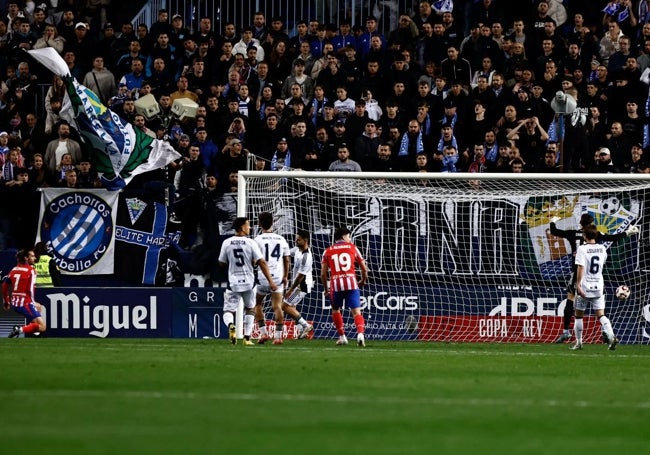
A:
[146, 243]
[78, 228]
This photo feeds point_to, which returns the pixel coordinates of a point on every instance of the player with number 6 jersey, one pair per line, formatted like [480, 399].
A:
[590, 261]
[338, 264]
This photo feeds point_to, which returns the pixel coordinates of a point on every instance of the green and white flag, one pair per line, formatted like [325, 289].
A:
[117, 150]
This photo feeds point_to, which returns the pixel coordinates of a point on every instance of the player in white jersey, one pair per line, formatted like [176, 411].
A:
[241, 254]
[590, 260]
[275, 250]
[302, 282]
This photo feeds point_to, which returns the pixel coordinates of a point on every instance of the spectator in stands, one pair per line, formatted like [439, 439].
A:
[65, 165]
[83, 46]
[101, 81]
[65, 27]
[381, 159]
[367, 144]
[247, 41]
[58, 147]
[87, 177]
[77, 71]
[163, 49]
[182, 91]
[38, 174]
[161, 25]
[604, 163]
[344, 163]
[51, 39]
[13, 162]
[123, 63]
[281, 159]
[205, 34]
[33, 136]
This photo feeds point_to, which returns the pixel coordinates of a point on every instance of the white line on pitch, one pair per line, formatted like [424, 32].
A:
[381, 400]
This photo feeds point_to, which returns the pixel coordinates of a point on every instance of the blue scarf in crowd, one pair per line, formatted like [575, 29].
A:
[404, 145]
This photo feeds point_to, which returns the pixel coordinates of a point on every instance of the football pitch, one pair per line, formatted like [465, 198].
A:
[107, 396]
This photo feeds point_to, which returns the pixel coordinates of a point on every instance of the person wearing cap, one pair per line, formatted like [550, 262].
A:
[281, 159]
[603, 163]
[83, 45]
[178, 31]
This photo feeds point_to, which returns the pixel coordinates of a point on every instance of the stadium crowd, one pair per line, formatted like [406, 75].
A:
[475, 88]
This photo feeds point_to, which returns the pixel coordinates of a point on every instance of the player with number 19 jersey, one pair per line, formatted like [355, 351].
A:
[274, 248]
[341, 258]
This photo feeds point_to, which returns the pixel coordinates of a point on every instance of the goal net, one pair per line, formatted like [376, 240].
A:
[462, 257]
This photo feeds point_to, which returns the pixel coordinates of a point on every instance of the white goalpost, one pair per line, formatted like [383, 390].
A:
[463, 257]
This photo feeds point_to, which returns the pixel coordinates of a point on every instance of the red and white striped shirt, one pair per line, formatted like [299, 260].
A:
[18, 287]
[341, 259]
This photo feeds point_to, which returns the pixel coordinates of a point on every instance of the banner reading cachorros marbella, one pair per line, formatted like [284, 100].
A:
[78, 228]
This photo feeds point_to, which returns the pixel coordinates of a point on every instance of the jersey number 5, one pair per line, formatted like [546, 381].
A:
[239, 255]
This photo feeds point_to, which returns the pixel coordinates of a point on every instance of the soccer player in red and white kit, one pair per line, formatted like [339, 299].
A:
[18, 294]
[339, 264]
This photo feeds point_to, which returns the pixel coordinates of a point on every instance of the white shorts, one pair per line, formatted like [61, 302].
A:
[231, 300]
[595, 303]
[295, 298]
[265, 289]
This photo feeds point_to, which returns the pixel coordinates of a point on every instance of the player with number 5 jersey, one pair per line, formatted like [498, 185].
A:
[241, 254]
[339, 278]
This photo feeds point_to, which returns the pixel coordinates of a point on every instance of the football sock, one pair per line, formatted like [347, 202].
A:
[338, 322]
[568, 314]
[607, 326]
[302, 321]
[360, 323]
[30, 328]
[262, 325]
[228, 318]
[578, 326]
[278, 331]
[249, 320]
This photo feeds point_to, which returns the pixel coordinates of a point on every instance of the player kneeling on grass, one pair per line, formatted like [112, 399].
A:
[18, 294]
[276, 254]
[339, 264]
[301, 282]
[590, 260]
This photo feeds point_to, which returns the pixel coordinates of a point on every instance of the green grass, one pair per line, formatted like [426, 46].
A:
[91, 396]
